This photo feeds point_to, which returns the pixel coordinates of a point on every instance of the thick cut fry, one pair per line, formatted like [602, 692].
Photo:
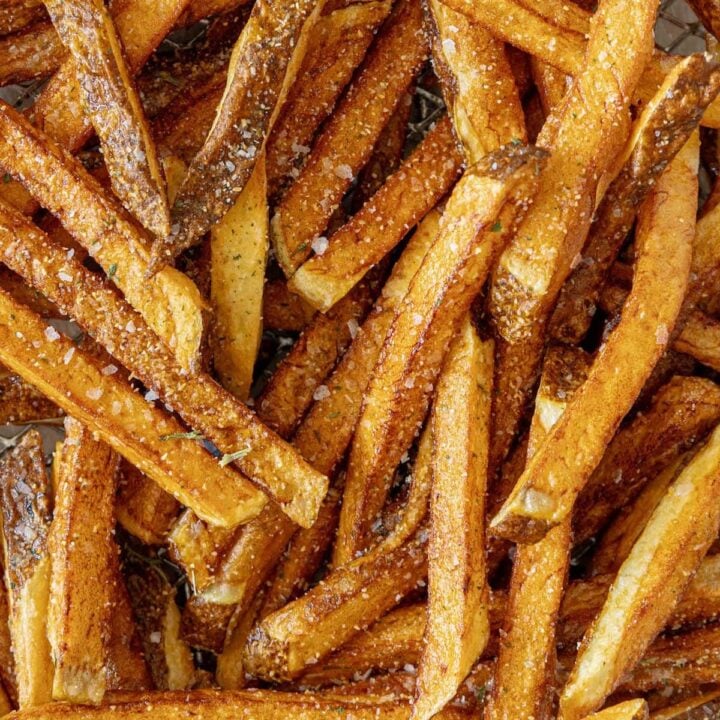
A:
[123, 418]
[458, 624]
[546, 491]
[284, 310]
[244, 440]
[348, 138]
[336, 47]
[700, 338]
[239, 248]
[478, 221]
[524, 673]
[348, 600]
[382, 222]
[649, 583]
[80, 545]
[532, 270]
[26, 498]
[663, 127]
[18, 14]
[35, 52]
[630, 710]
[263, 64]
[21, 403]
[681, 709]
[169, 301]
[111, 101]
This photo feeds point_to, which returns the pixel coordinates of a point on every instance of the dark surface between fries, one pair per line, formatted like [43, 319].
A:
[677, 31]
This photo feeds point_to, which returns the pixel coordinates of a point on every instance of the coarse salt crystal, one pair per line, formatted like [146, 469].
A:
[344, 172]
[109, 369]
[448, 45]
[662, 335]
[68, 355]
[417, 319]
[321, 392]
[151, 396]
[116, 407]
[319, 245]
[130, 327]
[353, 327]
[51, 333]
[155, 637]
[94, 393]
[65, 277]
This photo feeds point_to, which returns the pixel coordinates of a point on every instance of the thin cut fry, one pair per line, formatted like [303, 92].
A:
[80, 545]
[25, 493]
[169, 301]
[111, 101]
[348, 138]
[458, 624]
[35, 52]
[478, 221]
[629, 710]
[649, 583]
[235, 431]
[546, 491]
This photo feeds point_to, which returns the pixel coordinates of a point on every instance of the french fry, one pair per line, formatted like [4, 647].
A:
[638, 341]
[648, 584]
[658, 134]
[18, 14]
[532, 269]
[263, 64]
[80, 545]
[458, 624]
[338, 43]
[20, 403]
[33, 53]
[334, 160]
[478, 221]
[708, 13]
[629, 710]
[284, 310]
[142, 507]
[158, 618]
[382, 222]
[8, 682]
[524, 672]
[682, 411]
[700, 338]
[25, 493]
[681, 709]
[255, 450]
[199, 9]
[169, 301]
[112, 103]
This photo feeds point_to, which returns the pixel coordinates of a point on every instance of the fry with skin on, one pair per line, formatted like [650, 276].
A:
[25, 493]
[458, 625]
[113, 106]
[348, 138]
[545, 494]
[524, 672]
[648, 584]
[35, 52]
[228, 423]
[80, 545]
[169, 301]
[478, 221]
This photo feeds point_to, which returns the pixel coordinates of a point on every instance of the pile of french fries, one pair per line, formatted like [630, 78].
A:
[384, 338]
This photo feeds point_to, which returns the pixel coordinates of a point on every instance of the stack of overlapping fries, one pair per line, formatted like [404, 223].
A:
[384, 336]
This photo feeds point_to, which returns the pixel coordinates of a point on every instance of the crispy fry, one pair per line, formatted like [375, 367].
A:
[523, 683]
[382, 222]
[663, 127]
[239, 247]
[681, 709]
[700, 338]
[169, 301]
[142, 507]
[478, 221]
[21, 403]
[458, 624]
[263, 64]
[243, 439]
[284, 310]
[649, 583]
[7, 662]
[199, 9]
[629, 710]
[348, 138]
[16, 15]
[25, 493]
[545, 494]
[80, 545]
[338, 43]
[35, 52]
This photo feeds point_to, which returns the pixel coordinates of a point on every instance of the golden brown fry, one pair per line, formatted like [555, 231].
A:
[15, 15]
[458, 624]
[649, 583]
[284, 310]
[112, 103]
[35, 52]
[682, 411]
[524, 673]
[681, 709]
[338, 43]
[169, 301]
[263, 64]
[21, 403]
[629, 710]
[546, 491]
[532, 270]
[7, 662]
[700, 338]
[25, 493]
[142, 507]
[80, 544]
[348, 138]
[199, 9]
[479, 219]
[663, 127]
[382, 222]
[244, 440]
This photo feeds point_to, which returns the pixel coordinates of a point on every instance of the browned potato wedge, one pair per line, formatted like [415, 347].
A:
[25, 494]
[33, 53]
